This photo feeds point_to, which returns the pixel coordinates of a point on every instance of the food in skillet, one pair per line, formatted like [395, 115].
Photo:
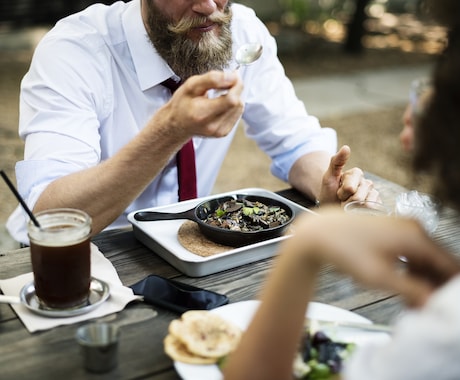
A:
[247, 216]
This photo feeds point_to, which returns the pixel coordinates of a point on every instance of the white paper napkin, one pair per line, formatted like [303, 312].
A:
[101, 268]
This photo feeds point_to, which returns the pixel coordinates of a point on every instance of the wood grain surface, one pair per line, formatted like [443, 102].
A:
[55, 353]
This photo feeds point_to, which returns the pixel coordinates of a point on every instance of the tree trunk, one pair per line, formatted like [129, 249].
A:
[355, 29]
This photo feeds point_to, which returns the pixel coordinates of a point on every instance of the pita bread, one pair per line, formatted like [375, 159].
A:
[177, 351]
[205, 334]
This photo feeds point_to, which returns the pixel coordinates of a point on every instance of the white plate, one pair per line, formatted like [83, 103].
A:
[241, 313]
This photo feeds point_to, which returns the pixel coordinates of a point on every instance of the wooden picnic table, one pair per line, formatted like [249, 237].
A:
[54, 354]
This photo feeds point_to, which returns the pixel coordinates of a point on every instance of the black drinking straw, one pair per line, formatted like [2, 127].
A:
[21, 201]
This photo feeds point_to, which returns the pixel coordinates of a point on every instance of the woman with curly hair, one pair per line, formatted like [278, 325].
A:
[426, 340]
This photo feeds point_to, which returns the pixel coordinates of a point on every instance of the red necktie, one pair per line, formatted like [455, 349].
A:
[185, 159]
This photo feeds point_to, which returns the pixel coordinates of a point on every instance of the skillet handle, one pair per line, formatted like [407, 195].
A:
[150, 216]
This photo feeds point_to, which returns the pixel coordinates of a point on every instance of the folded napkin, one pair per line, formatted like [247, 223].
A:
[101, 268]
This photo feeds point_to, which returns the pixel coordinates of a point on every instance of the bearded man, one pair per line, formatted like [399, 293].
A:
[105, 132]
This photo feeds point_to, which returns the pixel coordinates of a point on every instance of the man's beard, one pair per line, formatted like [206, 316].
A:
[186, 56]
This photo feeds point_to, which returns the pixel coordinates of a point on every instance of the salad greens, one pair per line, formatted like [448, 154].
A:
[320, 357]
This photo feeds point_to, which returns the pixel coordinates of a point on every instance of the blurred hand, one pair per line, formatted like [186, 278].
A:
[406, 137]
[421, 91]
[369, 248]
[345, 186]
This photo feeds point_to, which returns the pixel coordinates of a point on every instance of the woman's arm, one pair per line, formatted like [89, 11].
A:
[355, 245]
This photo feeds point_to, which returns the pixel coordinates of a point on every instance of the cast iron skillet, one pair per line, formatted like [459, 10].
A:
[231, 238]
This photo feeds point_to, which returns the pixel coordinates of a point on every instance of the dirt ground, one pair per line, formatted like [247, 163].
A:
[372, 136]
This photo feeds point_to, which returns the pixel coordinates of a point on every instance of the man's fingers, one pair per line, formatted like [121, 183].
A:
[199, 85]
[356, 188]
[339, 161]
[353, 181]
[373, 196]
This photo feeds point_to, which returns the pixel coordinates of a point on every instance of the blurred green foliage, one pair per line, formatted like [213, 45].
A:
[295, 12]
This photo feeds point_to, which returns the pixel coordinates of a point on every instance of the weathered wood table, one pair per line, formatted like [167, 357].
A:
[54, 354]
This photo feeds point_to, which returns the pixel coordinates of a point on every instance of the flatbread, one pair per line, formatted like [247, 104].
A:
[177, 351]
[191, 238]
[205, 334]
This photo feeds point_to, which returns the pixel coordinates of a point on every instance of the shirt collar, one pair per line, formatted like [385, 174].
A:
[150, 67]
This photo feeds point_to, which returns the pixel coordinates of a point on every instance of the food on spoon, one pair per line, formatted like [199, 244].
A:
[247, 216]
[201, 337]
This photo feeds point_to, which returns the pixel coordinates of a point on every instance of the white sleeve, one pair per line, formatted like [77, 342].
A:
[60, 115]
[425, 344]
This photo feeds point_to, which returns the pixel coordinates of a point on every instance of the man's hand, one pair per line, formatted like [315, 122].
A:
[345, 186]
[190, 112]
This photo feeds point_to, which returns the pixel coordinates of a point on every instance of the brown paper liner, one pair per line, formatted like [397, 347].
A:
[191, 238]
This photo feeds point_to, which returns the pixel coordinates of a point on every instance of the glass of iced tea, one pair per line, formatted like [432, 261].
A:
[367, 208]
[60, 254]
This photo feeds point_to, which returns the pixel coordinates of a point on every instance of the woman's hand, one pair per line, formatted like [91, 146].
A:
[370, 248]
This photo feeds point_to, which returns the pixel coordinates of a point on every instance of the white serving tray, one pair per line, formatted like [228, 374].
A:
[161, 237]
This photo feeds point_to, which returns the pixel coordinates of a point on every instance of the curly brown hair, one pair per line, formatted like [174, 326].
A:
[446, 12]
[437, 137]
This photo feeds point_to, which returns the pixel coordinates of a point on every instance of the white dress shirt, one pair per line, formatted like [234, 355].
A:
[94, 82]
[425, 344]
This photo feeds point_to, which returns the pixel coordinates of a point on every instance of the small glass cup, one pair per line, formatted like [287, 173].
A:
[419, 206]
[99, 346]
[60, 254]
[367, 208]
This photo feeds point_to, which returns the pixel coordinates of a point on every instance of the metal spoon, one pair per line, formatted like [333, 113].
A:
[245, 55]
[322, 324]
[9, 299]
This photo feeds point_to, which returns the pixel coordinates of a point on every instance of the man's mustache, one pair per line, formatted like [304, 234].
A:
[186, 24]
